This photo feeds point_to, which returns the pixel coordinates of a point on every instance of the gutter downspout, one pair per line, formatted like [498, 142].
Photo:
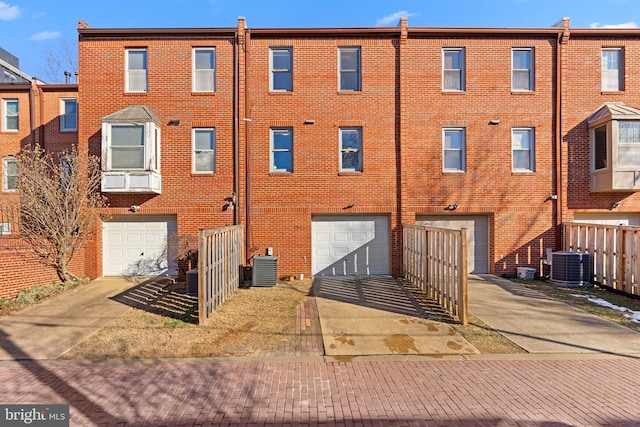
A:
[32, 114]
[236, 135]
[247, 134]
[563, 37]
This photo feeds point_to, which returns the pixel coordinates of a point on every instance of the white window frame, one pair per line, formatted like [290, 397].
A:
[342, 131]
[531, 150]
[5, 174]
[608, 75]
[530, 70]
[5, 115]
[211, 72]
[5, 228]
[64, 115]
[343, 71]
[129, 72]
[462, 150]
[272, 162]
[461, 71]
[275, 71]
[195, 150]
[151, 147]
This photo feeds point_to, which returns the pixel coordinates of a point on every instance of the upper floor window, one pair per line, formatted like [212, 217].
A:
[10, 114]
[612, 70]
[204, 70]
[349, 67]
[522, 76]
[9, 174]
[600, 148]
[282, 150]
[523, 149]
[281, 69]
[136, 70]
[5, 228]
[68, 114]
[351, 149]
[453, 150]
[204, 150]
[127, 147]
[453, 73]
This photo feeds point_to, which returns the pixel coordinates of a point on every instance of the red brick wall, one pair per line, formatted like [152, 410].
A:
[197, 200]
[582, 96]
[22, 270]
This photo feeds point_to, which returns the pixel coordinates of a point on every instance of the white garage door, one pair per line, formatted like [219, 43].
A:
[137, 246]
[349, 245]
[477, 236]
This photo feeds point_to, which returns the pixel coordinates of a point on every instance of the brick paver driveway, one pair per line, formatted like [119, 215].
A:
[397, 393]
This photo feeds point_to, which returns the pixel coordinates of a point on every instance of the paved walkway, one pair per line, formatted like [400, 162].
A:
[545, 393]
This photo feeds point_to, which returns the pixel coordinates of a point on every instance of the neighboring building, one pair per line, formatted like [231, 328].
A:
[323, 142]
[32, 113]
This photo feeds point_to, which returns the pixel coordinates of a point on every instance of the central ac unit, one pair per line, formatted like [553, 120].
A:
[571, 269]
[265, 271]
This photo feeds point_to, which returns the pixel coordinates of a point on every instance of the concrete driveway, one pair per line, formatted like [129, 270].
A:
[375, 315]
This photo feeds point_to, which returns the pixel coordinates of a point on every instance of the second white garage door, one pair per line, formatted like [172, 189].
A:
[477, 237]
[137, 246]
[347, 245]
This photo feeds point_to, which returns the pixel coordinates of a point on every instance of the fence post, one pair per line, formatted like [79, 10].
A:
[620, 261]
[464, 296]
[201, 273]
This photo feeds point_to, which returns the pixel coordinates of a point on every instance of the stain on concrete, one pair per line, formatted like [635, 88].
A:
[400, 344]
[453, 345]
[332, 346]
[432, 327]
[344, 340]
[452, 331]
[405, 321]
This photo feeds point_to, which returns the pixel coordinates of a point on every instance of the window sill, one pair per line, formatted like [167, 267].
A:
[612, 92]
[523, 172]
[69, 130]
[454, 92]
[283, 173]
[454, 172]
[523, 92]
[136, 93]
[280, 92]
[203, 93]
[10, 131]
[350, 173]
[194, 174]
[349, 92]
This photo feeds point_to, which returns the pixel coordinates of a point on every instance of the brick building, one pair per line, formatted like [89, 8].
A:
[323, 142]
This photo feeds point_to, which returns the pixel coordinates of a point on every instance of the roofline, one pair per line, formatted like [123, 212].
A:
[14, 87]
[59, 87]
[608, 32]
[155, 32]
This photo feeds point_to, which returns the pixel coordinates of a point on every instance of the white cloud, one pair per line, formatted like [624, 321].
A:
[45, 35]
[7, 12]
[624, 25]
[393, 18]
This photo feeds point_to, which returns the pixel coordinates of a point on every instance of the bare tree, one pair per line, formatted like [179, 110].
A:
[57, 60]
[59, 196]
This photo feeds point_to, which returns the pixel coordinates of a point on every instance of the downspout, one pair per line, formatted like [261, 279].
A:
[236, 136]
[32, 114]
[247, 134]
[41, 124]
[563, 36]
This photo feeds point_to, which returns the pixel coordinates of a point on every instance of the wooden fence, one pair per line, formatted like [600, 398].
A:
[614, 250]
[220, 261]
[435, 259]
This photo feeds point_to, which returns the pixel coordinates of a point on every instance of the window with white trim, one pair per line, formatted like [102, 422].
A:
[68, 114]
[10, 174]
[522, 74]
[522, 145]
[282, 150]
[612, 70]
[136, 70]
[351, 149]
[127, 147]
[349, 69]
[281, 59]
[204, 150]
[453, 150]
[10, 115]
[453, 72]
[5, 228]
[204, 69]
[628, 144]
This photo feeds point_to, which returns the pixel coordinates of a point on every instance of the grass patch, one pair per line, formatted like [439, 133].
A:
[576, 297]
[485, 339]
[31, 296]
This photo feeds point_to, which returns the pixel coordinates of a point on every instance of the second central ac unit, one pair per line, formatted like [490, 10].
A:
[571, 269]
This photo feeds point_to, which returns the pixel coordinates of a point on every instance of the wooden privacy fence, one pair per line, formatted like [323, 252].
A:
[614, 251]
[435, 259]
[220, 260]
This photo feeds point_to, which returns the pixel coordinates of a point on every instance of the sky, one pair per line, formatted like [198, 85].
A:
[33, 30]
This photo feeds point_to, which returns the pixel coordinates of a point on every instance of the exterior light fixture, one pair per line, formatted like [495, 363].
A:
[615, 205]
[452, 207]
[134, 208]
[349, 206]
[494, 121]
[309, 122]
[174, 122]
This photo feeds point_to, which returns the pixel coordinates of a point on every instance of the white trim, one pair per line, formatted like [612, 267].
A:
[272, 150]
[462, 69]
[206, 71]
[193, 151]
[63, 104]
[128, 71]
[5, 175]
[462, 150]
[5, 117]
[532, 149]
[358, 69]
[341, 150]
[531, 69]
[618, 72]
[273, 71]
